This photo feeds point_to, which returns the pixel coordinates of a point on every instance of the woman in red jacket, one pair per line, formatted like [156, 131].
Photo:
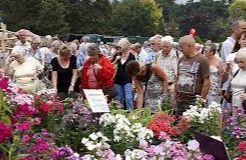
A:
[98, 72]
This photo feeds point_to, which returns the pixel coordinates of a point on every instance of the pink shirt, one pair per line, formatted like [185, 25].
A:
[92, 81]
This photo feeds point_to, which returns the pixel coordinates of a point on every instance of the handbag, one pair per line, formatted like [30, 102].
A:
[228, 93]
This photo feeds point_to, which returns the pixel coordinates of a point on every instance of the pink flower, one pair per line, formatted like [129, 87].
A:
[25, 138]
[5, 132]
[40, 146]
[23, 126]
[37, 121]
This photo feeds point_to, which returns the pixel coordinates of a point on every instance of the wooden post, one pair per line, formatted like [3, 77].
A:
[3, 43]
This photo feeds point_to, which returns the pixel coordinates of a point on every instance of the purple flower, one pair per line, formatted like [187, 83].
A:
[62, 152]
[44, 132]
[207, 157]
[164, 136]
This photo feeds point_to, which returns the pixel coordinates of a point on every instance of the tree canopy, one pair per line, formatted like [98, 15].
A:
[125, 17]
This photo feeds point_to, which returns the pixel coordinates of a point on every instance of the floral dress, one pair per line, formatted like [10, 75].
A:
[154, 93]
[213, 94]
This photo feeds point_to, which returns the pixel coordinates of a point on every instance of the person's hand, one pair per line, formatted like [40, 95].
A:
[243, 96]
[228, 67]
[118, 57]
[35, 76]
[71, 88]
[97, 66]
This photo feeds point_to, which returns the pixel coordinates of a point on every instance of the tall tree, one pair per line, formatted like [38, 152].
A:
[238, 9]
[137, 17]
[20, 14]
[88, 16]
[51, 18]
[201, 16]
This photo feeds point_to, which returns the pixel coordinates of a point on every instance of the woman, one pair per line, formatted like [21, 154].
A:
[64, 72]
[238, 82]
[155, 81]
[25, 71]
[215, 73]
[123, 82]
[98, 72]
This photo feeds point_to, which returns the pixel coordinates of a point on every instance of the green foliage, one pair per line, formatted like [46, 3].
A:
[201, 16]
[51, 18]
[142, 115]
[5, 110]
[238, 9]
[143, 20]
[220, 28]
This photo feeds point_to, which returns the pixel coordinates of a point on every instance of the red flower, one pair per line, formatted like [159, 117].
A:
[165, 123]
[5, 132]
[45, 107]
[242, 146]
[4, 83]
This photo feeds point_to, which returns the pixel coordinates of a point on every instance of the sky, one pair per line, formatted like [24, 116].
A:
[183, 1]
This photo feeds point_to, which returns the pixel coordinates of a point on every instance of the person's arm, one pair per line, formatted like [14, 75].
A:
[226, 73]
[140, 93]
[162, 77]
[54, 79]
[205, 88]
[73, 80]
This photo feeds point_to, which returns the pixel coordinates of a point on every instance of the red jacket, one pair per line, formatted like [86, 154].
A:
[104, 75]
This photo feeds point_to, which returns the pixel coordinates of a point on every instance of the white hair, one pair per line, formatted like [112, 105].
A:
[168, 39]
[36, 39]
[18, 50]
[241, 54]
[124, 43]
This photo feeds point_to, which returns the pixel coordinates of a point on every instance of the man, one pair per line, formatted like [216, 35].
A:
[193, 75]
[228, 45]
[149, 55]
[23, 43]
[136, 49]
[168, 61]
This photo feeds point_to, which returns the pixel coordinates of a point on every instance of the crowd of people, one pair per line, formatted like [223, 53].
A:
[135, 75]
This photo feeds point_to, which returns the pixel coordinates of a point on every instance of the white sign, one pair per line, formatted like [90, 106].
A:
[96, 100]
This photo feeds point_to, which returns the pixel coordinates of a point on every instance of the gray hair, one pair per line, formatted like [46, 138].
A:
[241, 54]
[168, 39]
[93, 49]
[17, 50]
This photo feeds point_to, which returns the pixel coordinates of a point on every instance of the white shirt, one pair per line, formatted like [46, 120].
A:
[26, 46]
[169, 64]
[238, 85]
[227, 48]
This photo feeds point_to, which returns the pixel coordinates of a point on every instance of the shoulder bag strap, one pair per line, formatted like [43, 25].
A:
[234, 75]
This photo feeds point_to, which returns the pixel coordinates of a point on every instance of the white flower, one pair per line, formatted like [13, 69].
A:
[93, 136]
[85, 140]
[193, 145]
[90, 146]
[88, 157]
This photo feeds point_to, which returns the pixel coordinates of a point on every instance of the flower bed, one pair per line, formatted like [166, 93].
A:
[41, 126]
